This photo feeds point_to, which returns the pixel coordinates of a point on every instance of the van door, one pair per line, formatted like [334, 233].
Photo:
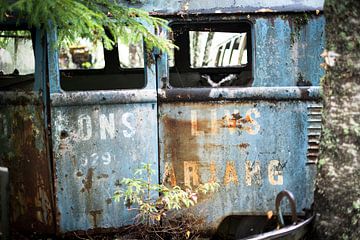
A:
[104, 126]
[23, 128]
[216, 125]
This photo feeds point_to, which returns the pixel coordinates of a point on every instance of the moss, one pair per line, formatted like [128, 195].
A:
[338, 176]
[297, 21]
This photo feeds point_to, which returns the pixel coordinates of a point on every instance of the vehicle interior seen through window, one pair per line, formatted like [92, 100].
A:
[17, 60]
[211, 55]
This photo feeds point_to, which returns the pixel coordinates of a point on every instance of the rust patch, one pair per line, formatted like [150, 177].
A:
[79, 174]
[230, 173]
[94, 214]
[88, 180]
[243, 145]
[169, 175]
[180, 146]
[24, 153]
[213, 177]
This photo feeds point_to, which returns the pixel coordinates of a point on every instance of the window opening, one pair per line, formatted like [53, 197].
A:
[17, 60]
[87, 66]
[83, 54]
[131, 55]
[212, 55]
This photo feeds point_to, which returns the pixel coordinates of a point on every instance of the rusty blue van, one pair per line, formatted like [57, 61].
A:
[238, 103]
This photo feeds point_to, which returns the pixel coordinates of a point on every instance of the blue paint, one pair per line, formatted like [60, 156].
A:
[282, 136]
[282, 52]
[227, 6]
[100, 137]
[88, 171]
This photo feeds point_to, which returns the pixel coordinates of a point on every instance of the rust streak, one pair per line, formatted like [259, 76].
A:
[94, 214]
[88, 180]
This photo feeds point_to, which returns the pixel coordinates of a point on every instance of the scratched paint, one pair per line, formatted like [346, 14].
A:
[257, 149]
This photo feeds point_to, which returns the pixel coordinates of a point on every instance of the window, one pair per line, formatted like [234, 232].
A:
[217, 49]
[17, 60]
[83, 54]
[87, 66]
[131, 55]
[212, 54]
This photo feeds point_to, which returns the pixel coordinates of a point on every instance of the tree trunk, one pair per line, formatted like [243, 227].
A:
[337, 197]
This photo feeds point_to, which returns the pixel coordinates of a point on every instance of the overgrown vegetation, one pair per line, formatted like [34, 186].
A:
[96, 20]
[157, 205]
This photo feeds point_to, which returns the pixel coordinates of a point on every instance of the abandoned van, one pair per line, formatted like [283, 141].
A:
[238, 104]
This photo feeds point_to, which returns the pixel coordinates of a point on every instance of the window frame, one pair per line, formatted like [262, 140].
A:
[217, 25]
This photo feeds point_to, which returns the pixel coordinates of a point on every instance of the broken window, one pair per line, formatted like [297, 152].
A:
[17, 60]
[212, 55]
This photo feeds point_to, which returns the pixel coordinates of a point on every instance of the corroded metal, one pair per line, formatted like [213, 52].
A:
[292, 232]
[258, 93]
[23, 151]
[291, 199]
[314, 132]
[4, 203]
[229, 6]
[95, 146]
[254, 149]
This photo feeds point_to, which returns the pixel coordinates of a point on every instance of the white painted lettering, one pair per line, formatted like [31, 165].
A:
[191, 172]
[107, 126]
[214, 127]
[95, 158]
[255, 125]
[194, 124]
[252, 171]
[126, 120]
[106, 157]
[230, 173]
[275, 172]
[84, 126]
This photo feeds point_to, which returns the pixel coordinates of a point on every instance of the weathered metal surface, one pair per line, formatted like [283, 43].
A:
[99, 137]
[314, 132]
[293, 232]
[254, 149]
[258, 140]
[258, 93]
[23, 151]
[95, 146]
[4, 203]
[287, 50]
[229, 6]
[103, 97]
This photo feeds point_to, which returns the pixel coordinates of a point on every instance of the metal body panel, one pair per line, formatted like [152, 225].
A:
[254, 149]
[228, 6]
[23, 151]
[287, 50]
[95, 146]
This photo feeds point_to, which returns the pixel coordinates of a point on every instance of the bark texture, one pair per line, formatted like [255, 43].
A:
[337, 198]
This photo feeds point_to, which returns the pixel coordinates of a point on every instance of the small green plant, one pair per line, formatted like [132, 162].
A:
[156, 204]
